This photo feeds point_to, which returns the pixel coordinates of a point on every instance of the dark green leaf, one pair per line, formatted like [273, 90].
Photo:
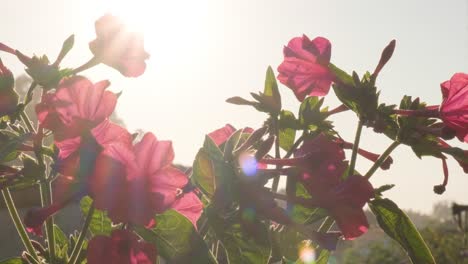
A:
[398, 226]
[176, 239]
[100, 222]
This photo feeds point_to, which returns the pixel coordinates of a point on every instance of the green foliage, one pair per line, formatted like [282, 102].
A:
[61, 243]
[248, 242]
[100, 222]
[311, 117]
[304, 215]
[287, 129]
[269, 101]
[10, 142]
[360, 96]
[176, 239]
[398, 226]
[289, 242]
[12, 261]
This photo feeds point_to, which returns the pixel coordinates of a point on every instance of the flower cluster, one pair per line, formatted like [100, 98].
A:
[132, 182]
[230, 198]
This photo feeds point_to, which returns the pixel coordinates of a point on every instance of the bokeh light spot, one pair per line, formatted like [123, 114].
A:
[248, 165]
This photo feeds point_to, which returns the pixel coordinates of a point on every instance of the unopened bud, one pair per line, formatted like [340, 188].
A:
[385, 57]
[265, 148]
[8, 96]
[448, 133]
[254, 137]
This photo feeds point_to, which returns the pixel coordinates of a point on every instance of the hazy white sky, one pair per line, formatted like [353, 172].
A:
[204, 51]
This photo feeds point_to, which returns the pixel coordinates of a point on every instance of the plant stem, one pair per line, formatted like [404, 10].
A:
[46, 198]
[295, 146]
[79, 243]
[326, 225]
[357, 138]
[91, 63]
[27, 122]
[381, 159]
[275, 184]
[428, 112]
[18, 224]
[28, 97]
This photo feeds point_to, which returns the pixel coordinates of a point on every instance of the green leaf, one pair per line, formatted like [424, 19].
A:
[16, 260]
[323, 257]
[303, 215]
[398, 226]
[290, 242]
[212, 149]
[100, 222]
[287, 135]
[231, 144]
[8, 148]
[271, 91]
[203, 173]
[61, 243]
[243, 249]
[176, 239]
[341, 75]
[241, 101]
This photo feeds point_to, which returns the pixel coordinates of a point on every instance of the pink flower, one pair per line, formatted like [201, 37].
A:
[146, 181]
[106, 148]
[119, 48]
[322, 165]
[76, 106]
[35, 217]
[122, 247]
[345, 202]
[154, 159]
[221, 135]
[305, 67]
[454, 107]
[323, 160]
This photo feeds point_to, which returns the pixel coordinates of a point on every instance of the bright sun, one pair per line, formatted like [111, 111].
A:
[158, 18]
[165, 25]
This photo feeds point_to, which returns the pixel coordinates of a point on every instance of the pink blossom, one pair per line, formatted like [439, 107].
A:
[454, 107]
[305, 67]
[119, 48]
[122, 247]
[77, 106]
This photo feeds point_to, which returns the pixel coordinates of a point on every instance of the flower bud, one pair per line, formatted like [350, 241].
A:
[8, 96]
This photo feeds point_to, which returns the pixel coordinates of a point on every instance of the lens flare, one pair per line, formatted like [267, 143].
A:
[248, 164]
[248, 214]
[307, 254]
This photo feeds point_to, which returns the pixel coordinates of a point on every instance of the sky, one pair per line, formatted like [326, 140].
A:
[205, 51]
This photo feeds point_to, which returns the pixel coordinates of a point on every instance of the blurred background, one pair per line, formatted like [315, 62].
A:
[205, 51]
